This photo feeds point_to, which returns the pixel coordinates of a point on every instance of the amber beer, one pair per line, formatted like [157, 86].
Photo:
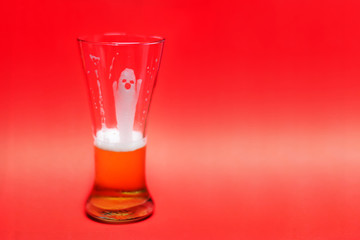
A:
[120, 171]
[119, 184]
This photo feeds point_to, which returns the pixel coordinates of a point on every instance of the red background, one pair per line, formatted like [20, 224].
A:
[253, 133]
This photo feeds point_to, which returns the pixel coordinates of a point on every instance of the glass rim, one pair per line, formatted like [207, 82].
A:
[149, 39]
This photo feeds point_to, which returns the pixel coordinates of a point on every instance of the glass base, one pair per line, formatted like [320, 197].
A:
[119, 209]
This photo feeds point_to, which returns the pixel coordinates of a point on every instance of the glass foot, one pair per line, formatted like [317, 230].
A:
[119, 209]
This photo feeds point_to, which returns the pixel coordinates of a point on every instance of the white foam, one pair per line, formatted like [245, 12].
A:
[110, 139]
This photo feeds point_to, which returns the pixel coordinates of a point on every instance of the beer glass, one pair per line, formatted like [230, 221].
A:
[121, 72]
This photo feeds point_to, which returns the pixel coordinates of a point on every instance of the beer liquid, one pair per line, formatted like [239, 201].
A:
[119, 193]
[124, 171]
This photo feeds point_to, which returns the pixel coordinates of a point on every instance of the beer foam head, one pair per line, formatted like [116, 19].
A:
[110, 139]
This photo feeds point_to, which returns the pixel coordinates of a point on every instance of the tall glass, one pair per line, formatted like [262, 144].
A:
[121, 72]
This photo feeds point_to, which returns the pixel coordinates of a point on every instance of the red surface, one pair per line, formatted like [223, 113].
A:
[254, 130]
